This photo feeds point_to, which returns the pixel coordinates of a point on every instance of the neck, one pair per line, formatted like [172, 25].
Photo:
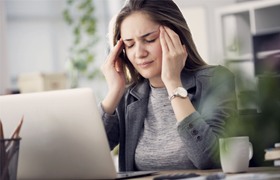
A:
[156, 82]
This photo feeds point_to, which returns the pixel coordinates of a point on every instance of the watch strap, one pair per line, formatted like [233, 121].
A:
[176, 93]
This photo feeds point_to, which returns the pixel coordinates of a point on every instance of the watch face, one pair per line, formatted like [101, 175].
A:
[182, 92]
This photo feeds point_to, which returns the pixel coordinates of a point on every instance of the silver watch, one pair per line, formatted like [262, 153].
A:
[179, 92]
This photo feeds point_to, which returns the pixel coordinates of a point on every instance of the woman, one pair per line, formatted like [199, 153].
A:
[165, 107]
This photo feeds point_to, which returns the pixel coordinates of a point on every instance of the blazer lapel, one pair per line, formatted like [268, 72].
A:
[135, 116]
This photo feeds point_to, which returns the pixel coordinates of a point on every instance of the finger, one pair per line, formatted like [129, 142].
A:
[174, 38]
[115, 52]
[168, 40]
[163, 42]
[184, 48]
[118, 66]
[186, 53]
[111, 59]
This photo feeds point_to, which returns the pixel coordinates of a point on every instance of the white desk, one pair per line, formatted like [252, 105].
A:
[260, 170]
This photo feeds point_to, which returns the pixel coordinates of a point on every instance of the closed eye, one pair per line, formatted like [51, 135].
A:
[150, 41]
[129, 45]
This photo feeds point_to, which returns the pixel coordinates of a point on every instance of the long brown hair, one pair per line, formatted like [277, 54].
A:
[163, 12]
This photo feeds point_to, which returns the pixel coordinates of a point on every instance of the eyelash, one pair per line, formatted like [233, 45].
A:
[148, 41]
[151, 41]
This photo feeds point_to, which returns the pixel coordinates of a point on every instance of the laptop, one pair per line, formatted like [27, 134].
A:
[63, 136]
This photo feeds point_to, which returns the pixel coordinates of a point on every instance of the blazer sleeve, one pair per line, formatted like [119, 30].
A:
[203, 128]
[111, 125]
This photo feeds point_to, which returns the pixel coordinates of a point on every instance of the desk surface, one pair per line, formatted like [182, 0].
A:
[257, 170]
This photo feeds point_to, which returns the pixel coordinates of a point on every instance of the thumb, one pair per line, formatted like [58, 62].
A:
[119, 65]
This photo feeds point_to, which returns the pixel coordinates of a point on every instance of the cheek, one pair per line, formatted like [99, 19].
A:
[157, 51]
[129, 55]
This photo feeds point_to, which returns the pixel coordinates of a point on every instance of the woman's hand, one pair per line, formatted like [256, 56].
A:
[174, 56]
[114, 75]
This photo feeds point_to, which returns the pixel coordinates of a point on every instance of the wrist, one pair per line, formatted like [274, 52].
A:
[180, 92]
[172, 86]
[111, 101]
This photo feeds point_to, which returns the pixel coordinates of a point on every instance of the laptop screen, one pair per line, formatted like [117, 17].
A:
[62, 135]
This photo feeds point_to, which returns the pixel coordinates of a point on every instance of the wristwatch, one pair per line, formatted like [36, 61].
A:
[179, 92]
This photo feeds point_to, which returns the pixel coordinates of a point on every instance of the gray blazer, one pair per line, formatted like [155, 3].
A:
[212, 92]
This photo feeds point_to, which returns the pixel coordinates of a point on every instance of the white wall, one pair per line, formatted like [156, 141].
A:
[4, 82]
[198, 29]
[203, 28]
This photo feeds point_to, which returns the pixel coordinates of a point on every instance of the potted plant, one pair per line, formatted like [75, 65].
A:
[79, 15]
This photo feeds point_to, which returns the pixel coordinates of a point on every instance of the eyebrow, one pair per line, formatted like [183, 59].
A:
[143, 36]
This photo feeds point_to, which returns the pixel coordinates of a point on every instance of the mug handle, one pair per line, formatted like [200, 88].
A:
[250, 150]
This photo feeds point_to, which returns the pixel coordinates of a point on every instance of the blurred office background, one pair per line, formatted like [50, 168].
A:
[34, 37]
[35, 42]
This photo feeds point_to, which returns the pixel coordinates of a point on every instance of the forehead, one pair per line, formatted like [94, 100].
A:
[136, 25]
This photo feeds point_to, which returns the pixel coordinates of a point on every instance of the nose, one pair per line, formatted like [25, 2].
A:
[140, 51]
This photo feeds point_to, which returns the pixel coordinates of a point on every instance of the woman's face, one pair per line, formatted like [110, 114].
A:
[142, 45]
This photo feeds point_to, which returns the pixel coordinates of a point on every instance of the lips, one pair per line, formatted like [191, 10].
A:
[145, 64]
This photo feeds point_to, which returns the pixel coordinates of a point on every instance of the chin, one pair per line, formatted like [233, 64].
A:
[149, 75]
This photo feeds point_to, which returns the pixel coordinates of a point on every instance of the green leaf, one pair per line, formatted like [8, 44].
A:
[67, 17]
[84, 28]
[90, 58]
[69, 2]
[80, 65]
[84, 4]
[94, 74]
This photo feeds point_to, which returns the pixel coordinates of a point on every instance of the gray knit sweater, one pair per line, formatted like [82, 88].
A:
[160, 146]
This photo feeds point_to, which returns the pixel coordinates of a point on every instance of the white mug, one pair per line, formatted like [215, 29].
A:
[235, 154]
